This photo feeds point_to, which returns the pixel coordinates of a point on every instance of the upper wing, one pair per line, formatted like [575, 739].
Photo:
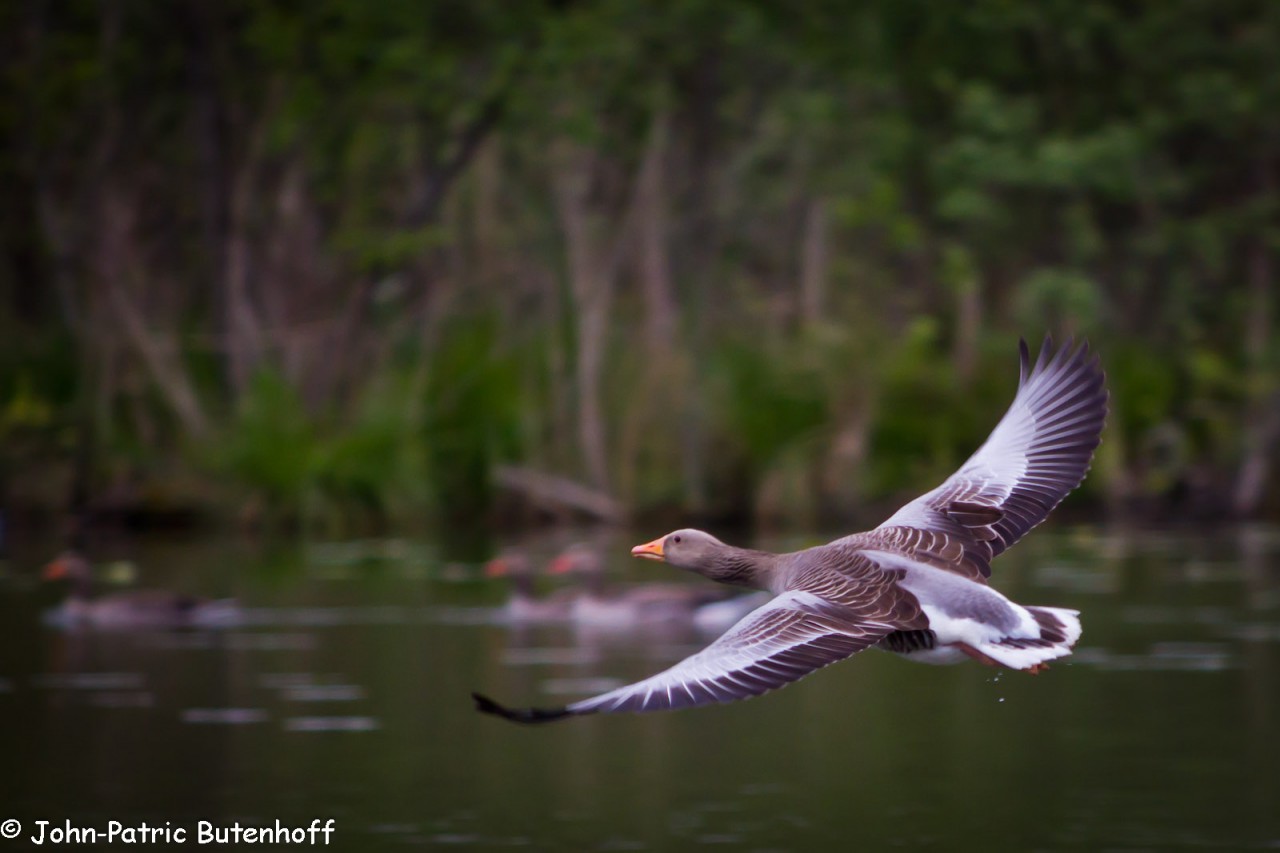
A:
[1038, 453]
[793, 635]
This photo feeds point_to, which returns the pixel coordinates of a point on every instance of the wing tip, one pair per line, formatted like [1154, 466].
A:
[530, 716]
[1074, 356]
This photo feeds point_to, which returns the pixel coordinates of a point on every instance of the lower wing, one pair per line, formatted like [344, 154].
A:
[793, 635]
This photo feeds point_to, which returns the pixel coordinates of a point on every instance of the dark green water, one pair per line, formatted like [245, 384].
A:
[347, 698]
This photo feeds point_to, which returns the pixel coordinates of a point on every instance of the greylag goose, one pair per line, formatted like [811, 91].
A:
[524, 605]
[133, 609]
[915, 585]
[599, 603]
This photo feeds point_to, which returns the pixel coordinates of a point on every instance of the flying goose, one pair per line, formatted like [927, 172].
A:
[916, 585]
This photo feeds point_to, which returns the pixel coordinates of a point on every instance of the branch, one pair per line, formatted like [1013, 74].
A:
[427, 205]
[558, 492]
[172, 381]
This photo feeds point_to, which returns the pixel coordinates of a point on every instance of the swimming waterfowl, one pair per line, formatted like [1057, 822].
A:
[134, 609]
[599, 603]
[916, 585]
[524, 605]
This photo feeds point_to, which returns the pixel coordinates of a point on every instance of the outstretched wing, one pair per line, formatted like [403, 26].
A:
[1036, 455]
[793, 635]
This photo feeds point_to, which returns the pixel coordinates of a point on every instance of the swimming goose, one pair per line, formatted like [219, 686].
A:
[134, 609]
[524, 605]
[599, 603]
[915, 585]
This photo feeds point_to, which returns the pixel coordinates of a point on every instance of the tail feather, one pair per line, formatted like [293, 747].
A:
[1057, 624]
[1059, 630]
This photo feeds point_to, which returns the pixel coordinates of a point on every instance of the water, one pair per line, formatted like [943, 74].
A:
[344, 695]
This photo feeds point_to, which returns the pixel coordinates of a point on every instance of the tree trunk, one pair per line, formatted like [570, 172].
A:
[205, 38]
[592, 294]
[598, 235]
[1262, 427]
[113, 269]
[968, 326]
[655, 259]
[487, 254]
[702, 194]
[242, 336]
[814, 262]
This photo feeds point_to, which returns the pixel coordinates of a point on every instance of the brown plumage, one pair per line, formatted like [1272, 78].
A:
[524, 604]
[607, 605]
[133, 609]
[916, 585]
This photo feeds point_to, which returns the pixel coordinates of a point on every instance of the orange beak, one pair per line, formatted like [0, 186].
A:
[561, 565]
[649, 550]
[495, 568]
[55, 570]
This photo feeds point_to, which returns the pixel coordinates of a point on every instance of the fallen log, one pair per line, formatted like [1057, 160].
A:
[553, 492]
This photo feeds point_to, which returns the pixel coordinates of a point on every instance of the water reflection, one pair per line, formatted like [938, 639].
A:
[224, 716]
[343, 693]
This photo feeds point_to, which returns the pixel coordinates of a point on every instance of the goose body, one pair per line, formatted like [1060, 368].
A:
[599, 604]
[917, 585]
[131, 610]
[523, 605]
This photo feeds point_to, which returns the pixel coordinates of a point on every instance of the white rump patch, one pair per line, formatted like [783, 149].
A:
[1022, 658]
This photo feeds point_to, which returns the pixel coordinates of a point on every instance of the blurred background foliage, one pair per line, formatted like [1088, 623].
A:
[352, 265]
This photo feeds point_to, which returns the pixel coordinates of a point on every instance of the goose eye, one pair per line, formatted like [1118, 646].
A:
[677, 539]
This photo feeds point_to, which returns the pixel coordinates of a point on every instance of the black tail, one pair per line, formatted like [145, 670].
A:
[485, 705]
